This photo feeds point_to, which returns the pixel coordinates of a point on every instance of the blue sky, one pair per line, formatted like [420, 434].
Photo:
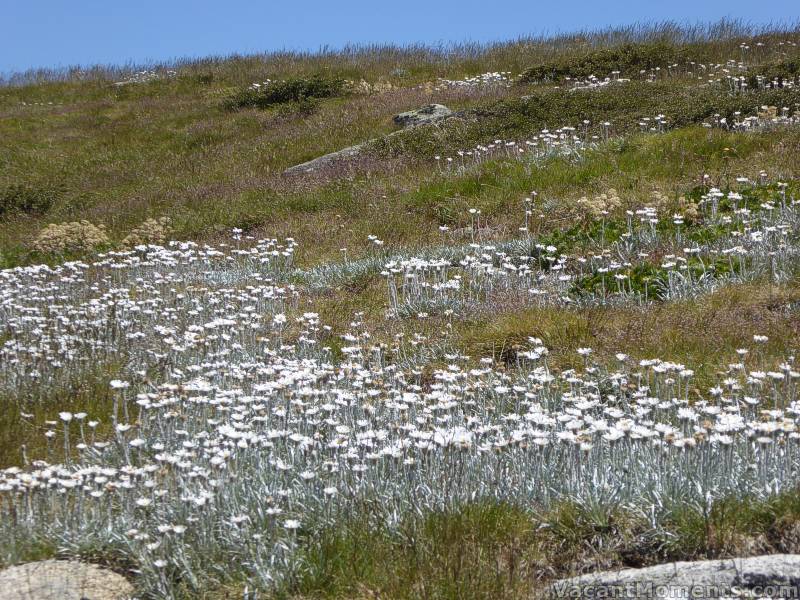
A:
[57, 33]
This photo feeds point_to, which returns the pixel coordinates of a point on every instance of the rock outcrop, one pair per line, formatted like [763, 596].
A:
[775, 576]
[426, 114]
[326, 160]
[62, 580]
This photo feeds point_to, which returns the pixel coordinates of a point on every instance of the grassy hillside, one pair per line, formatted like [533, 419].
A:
[81, 146]
[607, 229]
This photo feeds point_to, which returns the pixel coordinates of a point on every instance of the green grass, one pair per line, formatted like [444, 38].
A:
[22, 420]
[495, 550]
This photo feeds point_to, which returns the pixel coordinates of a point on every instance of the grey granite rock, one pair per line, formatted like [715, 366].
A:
[62, 580]
[426, 114]
[774, 576]
[325, 160]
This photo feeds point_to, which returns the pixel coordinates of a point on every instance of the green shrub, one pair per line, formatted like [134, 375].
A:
[295, 89]
[22, 198]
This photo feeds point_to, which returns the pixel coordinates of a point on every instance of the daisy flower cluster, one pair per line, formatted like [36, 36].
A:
[145, 305]
[484, 80]
[593, 82]
[146, 76]
[573, 142]
[240, 427]
[567, 142]
[767, 117]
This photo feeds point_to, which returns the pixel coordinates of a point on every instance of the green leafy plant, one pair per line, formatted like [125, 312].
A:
[294, 89]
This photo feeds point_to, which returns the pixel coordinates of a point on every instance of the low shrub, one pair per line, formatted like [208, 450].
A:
[17, 198]
[152, 231]
[295, 89]
[780, 73]
[74, 237]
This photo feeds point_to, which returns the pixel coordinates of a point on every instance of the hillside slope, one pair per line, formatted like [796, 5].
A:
[553, 333]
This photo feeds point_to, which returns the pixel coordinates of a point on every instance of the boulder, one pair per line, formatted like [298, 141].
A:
[774, 576]
[325, 160]
[426, 114]
[62, 580]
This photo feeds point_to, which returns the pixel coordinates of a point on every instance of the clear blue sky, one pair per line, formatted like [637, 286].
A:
[56, 33]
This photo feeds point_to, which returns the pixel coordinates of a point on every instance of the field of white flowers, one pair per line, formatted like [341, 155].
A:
[236, 432]
[209, 412]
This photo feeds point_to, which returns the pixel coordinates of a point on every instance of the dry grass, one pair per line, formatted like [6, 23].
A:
[704, 333]
[118, 155]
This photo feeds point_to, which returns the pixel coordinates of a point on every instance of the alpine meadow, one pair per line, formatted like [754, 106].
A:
[404, 322]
